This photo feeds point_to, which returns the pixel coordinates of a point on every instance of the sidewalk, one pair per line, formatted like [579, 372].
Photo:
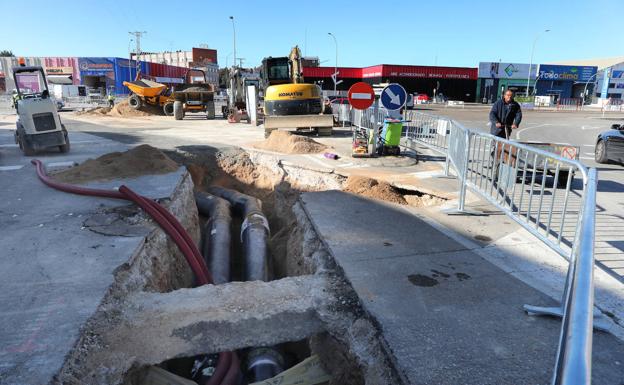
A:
[446, 314]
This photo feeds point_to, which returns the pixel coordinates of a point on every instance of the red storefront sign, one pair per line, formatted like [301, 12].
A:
[395, 71]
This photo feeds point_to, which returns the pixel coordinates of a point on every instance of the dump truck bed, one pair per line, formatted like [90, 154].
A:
[145, 88]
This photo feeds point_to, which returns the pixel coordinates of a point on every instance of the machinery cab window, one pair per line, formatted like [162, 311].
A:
[30, 83]
[277, 70]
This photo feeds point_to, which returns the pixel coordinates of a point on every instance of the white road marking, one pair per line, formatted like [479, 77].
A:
[522, 130]
[590, 127]
[586, 157]
[317, 161]
[8, 145]
[10, 168]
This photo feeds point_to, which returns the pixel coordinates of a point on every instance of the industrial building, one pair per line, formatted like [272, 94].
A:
[202, 58]
[457, 83]
[107, 74]
[559, 81]
[609, 78]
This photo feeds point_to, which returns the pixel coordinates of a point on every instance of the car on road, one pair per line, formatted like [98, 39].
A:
[610, 145]
[422, 99]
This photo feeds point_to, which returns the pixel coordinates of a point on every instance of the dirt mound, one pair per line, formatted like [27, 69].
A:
[141, 160]
[287, 143]
[95, 111]
[373, 188]
[123, 109]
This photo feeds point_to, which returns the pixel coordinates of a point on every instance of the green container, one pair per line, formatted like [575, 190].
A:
[392, 133]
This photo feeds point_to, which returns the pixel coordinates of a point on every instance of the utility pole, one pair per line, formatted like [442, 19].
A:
[137, 39]
[234, 38]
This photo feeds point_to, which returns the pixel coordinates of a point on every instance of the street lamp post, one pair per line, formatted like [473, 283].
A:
[336, 64]
[531, 61]
[585, 90]
[234, 38]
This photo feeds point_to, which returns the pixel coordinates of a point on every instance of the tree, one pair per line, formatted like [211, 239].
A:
[6, 53]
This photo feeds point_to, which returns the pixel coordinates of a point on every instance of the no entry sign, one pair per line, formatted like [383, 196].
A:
[361, 95]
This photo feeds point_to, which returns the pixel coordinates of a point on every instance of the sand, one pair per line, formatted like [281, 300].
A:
[121, 110]
[141, 160]
[373, 188]
[288, 143]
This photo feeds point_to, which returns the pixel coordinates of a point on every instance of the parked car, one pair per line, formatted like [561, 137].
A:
[610, 145]
[422, 99]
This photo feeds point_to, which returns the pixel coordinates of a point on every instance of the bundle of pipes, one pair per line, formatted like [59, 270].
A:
[227, 371]
[262, 362]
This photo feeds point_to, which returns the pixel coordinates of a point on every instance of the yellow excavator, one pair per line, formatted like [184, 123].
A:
[289, 102]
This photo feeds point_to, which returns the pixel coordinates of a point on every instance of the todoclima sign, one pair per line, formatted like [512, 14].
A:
[573, 73]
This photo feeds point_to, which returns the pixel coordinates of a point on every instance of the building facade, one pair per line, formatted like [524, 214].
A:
[555, 80]
[610, 83]
[99, 74]
[565, 81]
[200, 58]
[495, 77]
[456, 83]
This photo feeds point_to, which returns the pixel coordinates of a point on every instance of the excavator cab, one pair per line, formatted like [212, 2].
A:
[276, 70]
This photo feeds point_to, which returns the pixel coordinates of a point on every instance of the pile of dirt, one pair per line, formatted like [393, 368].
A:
[141, 160]
[287, 143]
[123, 110]
[95, 111]
[373, 188]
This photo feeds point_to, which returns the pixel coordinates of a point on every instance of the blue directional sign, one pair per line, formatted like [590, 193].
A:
[393, 97]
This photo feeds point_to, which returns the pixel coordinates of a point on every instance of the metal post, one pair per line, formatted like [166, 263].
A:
[137, 35]
[336, 63]
[234, 38]
[531, 61]
[375, 112]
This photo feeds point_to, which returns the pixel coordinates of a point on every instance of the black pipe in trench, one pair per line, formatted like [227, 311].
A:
[262, 362]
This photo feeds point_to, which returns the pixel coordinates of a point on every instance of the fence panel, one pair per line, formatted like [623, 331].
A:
[554, 199]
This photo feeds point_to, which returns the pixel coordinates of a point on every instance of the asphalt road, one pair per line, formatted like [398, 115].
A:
[579, 128]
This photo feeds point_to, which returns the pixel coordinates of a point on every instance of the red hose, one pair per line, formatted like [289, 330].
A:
[223, 366]
[228, 365]
[146, 204]
[185, 235]
[232, 375]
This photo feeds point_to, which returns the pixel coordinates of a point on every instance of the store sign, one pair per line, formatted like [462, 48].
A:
[59, 70]
[95, 65]
[561, 72]
[499, 70]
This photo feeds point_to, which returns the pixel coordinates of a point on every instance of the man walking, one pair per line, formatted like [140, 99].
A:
[505, 116]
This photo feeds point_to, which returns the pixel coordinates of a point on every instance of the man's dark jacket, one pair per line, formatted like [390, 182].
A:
[505, 114]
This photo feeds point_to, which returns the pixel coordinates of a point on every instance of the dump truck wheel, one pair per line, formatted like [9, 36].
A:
[168, 109]
[65, 147]
[178, 110]
[135, 102]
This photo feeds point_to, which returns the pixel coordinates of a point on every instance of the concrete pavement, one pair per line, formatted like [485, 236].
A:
[60, 254]
[447, 315]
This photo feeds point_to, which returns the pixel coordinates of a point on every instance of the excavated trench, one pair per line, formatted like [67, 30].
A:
[333, 326]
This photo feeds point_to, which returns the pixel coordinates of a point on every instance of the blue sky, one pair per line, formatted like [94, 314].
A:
[453, 33]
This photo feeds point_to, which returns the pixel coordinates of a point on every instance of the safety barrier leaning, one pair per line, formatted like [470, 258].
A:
[537, 189]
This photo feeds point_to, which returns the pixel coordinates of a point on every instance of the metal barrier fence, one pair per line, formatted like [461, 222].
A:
[341, 112]
[536, 189]
[569, 104]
